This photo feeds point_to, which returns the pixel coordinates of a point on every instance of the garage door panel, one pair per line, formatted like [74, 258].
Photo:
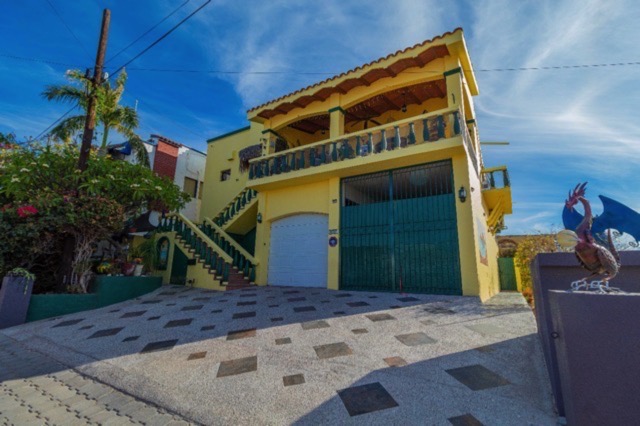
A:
[298, 251]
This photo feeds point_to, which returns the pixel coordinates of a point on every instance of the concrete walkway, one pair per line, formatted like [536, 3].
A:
[280, 356]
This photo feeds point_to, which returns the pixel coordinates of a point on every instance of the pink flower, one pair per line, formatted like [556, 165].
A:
[26, 211]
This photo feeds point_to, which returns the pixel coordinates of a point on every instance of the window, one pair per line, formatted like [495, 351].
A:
[200, 190]
[225, 175]
[191, 187]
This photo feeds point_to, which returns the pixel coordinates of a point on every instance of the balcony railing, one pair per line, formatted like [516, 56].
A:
[495, 178]
[425, 128]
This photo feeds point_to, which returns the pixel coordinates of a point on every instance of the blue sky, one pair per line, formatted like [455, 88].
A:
[564, 126]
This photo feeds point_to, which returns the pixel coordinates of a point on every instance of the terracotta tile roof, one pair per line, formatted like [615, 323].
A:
[370, 77]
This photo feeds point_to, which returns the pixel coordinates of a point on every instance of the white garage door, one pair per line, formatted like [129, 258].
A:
[299, 251]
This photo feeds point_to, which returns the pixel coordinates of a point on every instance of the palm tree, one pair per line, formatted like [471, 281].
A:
[109, 113]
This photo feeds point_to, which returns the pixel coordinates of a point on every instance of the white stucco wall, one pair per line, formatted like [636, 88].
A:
[190, 164]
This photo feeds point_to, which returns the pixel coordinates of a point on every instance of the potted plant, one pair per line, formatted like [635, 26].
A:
[15, 295]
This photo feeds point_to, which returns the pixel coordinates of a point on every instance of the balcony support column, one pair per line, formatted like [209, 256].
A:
[336, 122]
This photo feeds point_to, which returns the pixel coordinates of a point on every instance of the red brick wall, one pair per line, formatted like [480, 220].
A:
[165, 160]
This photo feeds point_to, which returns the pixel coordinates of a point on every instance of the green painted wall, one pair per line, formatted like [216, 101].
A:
[107, 291]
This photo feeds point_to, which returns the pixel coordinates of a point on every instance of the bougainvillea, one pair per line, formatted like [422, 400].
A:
[46, 199]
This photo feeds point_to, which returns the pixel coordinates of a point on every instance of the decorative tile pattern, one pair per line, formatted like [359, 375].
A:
[163, 345]
[332, 350]
[133, 314]
[366, 399]
[114, 310]
[167, 293]
[178, 323]
[273, 306]
[153, 318]
[408, 299]
[207, 327]
[295, 379]
[304, 309]
[342, 295]
[241, 334]
[68, 323]
[150, 302]
[486, 329]
[131, 339]
[428, 322]
[415, 339]
[201, 299]
[291, 292]
[380, 317]
[359, 331]
[357, 304]
[197, 355]
[312, 325]
[253, 302]
[86, 327]
[276, 319]
[216, 311]
[240, 315]
[106, 332]
[339, 313]
[439, 310]
[248, 295]
[465, 420]
[297, 299]
[477, 377]
[192, 308]
[395, 361]
[283, 341]
[238, 366]
[486, 349]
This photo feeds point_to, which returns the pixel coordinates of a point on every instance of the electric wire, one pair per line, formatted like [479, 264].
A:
[55, 122]
[147, 32]
[162, 37]
[68, 28]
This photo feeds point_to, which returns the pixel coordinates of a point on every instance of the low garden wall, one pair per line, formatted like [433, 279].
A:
[106, 290]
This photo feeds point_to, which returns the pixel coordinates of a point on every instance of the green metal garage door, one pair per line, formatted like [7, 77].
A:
[398, 231]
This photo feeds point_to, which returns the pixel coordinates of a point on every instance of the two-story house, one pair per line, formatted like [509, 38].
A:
[369, 180]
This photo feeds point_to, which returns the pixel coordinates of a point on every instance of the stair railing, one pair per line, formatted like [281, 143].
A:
[236, 205]
[242, 259]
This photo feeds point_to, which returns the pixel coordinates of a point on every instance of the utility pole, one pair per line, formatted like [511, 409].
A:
[90, 122]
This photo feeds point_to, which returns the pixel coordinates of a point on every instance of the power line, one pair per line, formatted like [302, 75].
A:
[162, 37]
[68, 28]
[45, 61]
[556, 67]
[56, 122]
[147, 32]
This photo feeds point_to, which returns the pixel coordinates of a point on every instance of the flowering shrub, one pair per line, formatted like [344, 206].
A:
[46, 199]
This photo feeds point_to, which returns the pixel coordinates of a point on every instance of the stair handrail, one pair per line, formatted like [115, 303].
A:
[231, 241]
[232, 202]
[203, 236]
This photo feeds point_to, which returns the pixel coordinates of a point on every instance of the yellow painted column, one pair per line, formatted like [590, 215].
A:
[333, 272]
[263, 232]
[336, 122]
[466, 234]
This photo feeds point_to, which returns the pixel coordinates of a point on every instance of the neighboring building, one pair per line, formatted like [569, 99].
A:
[183, 165]
[369, 180]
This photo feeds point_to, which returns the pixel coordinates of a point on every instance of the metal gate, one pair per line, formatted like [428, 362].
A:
[398, 231]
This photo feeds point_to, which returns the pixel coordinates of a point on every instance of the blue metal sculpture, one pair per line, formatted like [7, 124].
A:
[600, 261]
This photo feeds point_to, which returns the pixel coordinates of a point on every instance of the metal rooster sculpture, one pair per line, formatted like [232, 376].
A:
[595, 258]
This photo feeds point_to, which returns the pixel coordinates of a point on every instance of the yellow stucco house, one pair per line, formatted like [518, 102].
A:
[369, 180]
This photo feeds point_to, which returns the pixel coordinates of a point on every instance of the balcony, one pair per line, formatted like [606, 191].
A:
[419, 139]
[496, 192]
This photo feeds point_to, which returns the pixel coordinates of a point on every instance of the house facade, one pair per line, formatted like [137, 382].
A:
[181, 164]
[369, 180]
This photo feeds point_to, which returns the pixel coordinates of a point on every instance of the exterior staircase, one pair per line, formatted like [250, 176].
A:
[224, 258]
[243, 203]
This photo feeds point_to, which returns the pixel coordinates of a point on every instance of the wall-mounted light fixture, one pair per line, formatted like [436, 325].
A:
[259, 218]
[462, 194]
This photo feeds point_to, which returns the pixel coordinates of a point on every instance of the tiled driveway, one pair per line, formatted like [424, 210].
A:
[310, 356]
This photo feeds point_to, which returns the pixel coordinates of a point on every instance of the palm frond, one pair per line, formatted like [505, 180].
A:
[68, 128]
[65, 93]
[140, 150]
